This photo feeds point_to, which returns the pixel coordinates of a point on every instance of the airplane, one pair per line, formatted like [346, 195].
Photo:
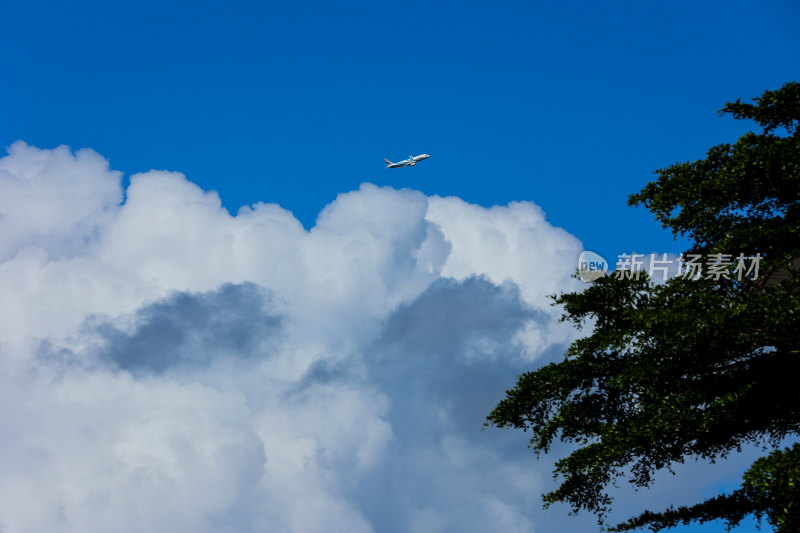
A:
[410, 162]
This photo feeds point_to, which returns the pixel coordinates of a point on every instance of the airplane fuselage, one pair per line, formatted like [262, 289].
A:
[410, 162]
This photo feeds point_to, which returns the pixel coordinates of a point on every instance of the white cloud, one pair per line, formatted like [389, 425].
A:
[166, 366]
[53, 199]
[103, 452]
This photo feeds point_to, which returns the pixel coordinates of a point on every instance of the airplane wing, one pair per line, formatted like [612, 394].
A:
[399, 164]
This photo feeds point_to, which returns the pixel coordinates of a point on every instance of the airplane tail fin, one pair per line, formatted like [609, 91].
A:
[387, 161]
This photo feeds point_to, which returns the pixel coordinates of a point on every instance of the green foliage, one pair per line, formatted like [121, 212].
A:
[771, 487]
[742, 196]
[689, 368]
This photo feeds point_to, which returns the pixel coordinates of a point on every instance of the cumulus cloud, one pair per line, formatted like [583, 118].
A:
[53, 199]
[169, 366]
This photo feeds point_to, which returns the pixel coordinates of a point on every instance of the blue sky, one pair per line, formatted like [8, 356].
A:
[569, 106]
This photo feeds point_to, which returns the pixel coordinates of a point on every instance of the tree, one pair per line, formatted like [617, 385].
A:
[694, 367]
